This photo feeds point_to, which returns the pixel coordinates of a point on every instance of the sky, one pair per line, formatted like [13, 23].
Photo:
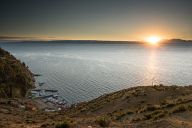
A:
[95, 19]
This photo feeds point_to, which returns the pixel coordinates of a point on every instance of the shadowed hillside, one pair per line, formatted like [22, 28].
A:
[15, 77]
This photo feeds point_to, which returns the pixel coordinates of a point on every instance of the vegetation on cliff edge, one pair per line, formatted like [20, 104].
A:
[15, 77]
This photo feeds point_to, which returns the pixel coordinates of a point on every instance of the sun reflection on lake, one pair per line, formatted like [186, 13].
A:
[152, 67]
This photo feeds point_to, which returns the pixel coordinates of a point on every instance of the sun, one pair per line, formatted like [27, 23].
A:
[153, 40]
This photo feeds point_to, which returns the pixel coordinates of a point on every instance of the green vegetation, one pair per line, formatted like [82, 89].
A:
[15, 77]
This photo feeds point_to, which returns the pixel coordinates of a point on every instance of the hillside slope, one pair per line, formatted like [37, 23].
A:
[15, 77]
[138, 107]
[144, 106]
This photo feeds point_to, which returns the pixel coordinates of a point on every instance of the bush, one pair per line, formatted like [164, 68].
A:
[180, 108]
[159, 115]
[156, 114]
[149, 108]
[64, 124]
[103, 121]
[190, 107]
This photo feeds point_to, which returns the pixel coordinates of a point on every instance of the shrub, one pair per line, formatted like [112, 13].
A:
[169, 105]
[149, 108]
[180, 108]
[159, 115]
[64, 124]
[190, 107]
[103, 121]
[156, 114]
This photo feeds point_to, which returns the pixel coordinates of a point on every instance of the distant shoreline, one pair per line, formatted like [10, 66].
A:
[22, 39]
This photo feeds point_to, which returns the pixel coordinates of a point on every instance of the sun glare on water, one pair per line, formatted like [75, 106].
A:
[153, 40]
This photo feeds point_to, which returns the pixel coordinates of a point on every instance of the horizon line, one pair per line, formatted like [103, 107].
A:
[32, 38]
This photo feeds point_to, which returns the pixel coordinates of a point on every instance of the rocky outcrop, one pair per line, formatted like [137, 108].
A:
[15, 77]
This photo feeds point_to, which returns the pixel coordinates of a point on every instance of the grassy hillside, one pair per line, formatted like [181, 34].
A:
[138, 107]
[15, 77]
[144, 106]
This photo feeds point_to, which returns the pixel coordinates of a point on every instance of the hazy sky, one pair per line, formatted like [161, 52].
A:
[96, 19]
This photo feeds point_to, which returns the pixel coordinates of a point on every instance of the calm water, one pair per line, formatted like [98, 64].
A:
[82, 72]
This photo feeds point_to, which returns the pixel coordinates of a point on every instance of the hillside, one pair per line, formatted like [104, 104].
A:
[143, 106]
[15, 77]
[138, 107]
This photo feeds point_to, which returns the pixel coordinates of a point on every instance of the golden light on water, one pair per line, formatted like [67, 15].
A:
[153, 40]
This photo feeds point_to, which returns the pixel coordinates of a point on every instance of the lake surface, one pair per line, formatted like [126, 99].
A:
[85, 71]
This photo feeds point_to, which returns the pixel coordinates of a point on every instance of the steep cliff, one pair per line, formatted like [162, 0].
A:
[15, 77]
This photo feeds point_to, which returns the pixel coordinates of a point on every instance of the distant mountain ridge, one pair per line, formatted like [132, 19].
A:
[178, 40]
[7, 39]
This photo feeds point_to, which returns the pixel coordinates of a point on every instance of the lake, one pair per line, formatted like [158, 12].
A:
[83, 71]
